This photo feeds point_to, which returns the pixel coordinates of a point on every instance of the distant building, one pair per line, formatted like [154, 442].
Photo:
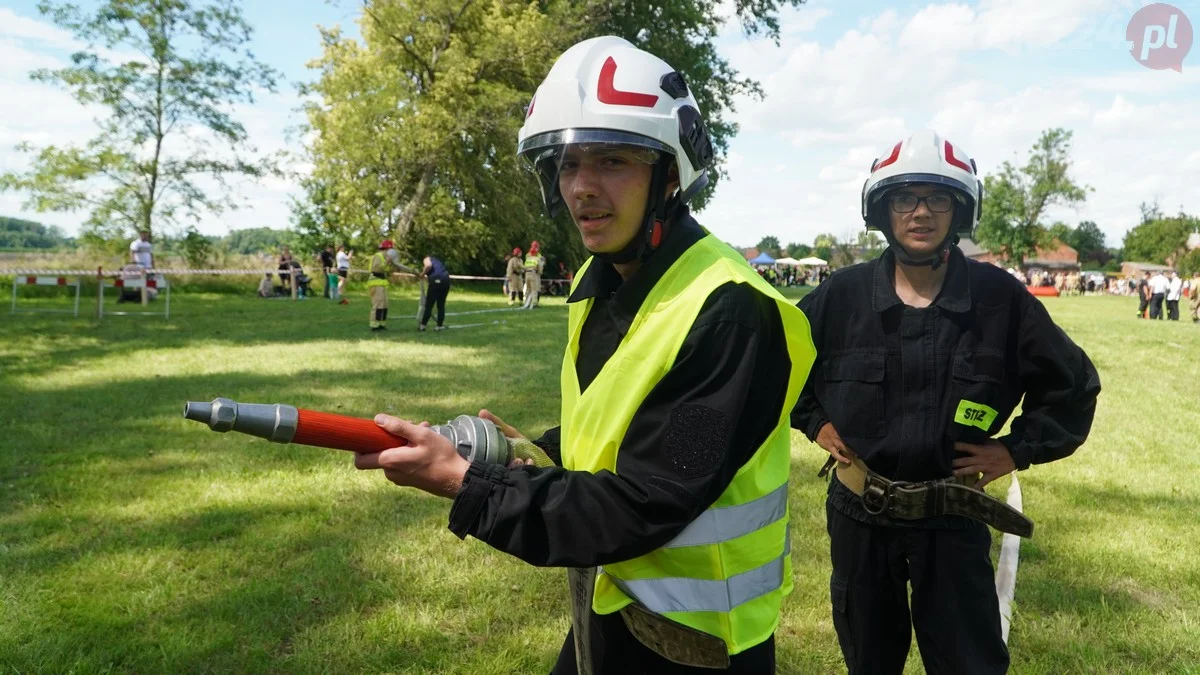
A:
[1057, 256]
[1135, 269]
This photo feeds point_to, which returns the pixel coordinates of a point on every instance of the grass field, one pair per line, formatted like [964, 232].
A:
[132, 540]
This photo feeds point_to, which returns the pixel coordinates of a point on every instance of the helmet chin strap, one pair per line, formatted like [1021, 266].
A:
[655, 223]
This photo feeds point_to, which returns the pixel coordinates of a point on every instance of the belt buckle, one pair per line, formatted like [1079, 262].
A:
[875, 497]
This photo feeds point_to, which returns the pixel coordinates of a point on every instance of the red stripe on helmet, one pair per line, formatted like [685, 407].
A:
[608, 93]
[954, 161]
[890, 159]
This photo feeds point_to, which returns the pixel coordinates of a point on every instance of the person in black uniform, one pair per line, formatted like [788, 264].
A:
[439, 287]
[922, 356]
[1143, 293]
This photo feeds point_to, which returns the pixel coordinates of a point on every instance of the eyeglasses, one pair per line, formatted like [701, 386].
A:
[938, 202]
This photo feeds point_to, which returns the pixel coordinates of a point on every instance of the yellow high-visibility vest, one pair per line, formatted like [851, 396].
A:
[378, 264]
[728, 571]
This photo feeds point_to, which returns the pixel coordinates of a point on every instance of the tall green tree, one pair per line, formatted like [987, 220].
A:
[416, 125]
[1088, 240]
[1161, 240]
[797, 250]
[683, 33]
[1016, 198]
[168, 101]
[770, 245]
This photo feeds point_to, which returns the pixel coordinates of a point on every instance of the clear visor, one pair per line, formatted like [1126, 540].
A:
[890, 185]
[537, 148]
[553, 154]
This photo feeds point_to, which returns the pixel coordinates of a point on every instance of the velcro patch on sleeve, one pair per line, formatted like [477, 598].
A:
[697, 439]
[974, 414]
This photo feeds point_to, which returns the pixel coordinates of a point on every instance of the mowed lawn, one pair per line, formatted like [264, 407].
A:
[132, 540]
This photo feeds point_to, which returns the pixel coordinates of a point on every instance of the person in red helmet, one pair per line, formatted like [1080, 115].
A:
[534, 264]
[377, 285]
[516, 276]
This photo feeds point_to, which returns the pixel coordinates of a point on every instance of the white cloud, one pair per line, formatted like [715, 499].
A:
[17, 27]
[837, 100]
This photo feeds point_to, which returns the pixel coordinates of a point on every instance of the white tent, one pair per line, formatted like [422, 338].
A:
[787, 262]
[813, 260]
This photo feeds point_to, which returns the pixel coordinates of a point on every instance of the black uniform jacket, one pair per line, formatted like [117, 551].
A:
[902, 384]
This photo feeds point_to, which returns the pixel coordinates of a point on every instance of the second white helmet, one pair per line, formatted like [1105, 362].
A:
[924, 157]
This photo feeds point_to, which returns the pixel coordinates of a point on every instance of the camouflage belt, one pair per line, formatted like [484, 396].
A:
[906, 500]
[673, 641]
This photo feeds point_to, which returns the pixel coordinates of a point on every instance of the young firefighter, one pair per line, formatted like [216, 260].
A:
[382, 263]
[669, 504]
[922, 356]
[535, 262]
[515, 270]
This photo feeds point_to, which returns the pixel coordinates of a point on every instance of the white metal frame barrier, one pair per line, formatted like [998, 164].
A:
[142, 284]
[37, 280]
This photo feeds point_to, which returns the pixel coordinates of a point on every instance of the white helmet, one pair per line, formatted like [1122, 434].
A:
[924, 157]
[605, 90]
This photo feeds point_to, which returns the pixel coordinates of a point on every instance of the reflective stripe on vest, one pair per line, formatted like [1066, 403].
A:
[681, 594]
[730, 522]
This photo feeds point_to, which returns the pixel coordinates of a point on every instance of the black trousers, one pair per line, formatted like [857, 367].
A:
[615, 650]
[1143, 303]
[436, 294]
[1173, 310]
[1156, 303]
[954, 607]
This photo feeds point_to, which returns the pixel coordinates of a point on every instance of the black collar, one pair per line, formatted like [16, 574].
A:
[955, 295]
[601, 279]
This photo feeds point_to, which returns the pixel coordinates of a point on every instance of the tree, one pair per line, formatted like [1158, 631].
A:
[1016, 198]
[1088, 240]
[416, 126]
[683, 33]
[197, 248]
[17, 233]
[1161, 241]
[166, 105]
[868, 246]
[257, 240]
[770, 245]
[798, 251]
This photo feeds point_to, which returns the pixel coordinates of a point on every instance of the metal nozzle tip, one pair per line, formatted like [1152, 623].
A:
[198, 411]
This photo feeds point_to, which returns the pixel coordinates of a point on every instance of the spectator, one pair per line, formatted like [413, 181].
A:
[265, 289]
[142, 251]
[1158, 292]
[343, 271]
[327, 263]
[1174, 291]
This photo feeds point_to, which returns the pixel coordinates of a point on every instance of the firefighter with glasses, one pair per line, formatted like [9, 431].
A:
[922, 357]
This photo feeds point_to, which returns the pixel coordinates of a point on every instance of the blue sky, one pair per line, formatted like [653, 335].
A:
[846, 81]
